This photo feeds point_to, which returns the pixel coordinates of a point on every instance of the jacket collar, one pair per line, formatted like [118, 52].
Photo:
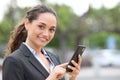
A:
[33, 60]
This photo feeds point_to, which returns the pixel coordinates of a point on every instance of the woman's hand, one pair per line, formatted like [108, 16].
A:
[58, 72]
[76, 69]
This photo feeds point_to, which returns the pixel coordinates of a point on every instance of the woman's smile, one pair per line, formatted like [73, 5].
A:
[43, 39]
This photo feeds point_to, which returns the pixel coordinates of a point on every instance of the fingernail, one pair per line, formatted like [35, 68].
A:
[68, 66]
[72, 61]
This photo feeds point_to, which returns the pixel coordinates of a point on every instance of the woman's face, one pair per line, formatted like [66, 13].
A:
[41, 31]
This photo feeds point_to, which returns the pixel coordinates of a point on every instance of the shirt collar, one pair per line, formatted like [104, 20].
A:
[33, 51]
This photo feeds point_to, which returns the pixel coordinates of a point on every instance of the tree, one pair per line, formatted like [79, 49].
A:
[95, 23]
[64, 32]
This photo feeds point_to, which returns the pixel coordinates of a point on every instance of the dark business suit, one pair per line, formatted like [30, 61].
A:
[22, 65]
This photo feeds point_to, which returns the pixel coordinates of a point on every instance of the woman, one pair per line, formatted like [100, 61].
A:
[26, 58]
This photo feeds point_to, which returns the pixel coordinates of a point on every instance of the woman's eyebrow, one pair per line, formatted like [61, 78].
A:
[54, 26]
[42, 23]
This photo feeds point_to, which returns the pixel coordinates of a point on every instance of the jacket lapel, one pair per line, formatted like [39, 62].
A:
[38, 66]
[34, 61]
[53, 58]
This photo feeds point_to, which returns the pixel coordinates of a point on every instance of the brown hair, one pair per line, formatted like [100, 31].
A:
[19, 34]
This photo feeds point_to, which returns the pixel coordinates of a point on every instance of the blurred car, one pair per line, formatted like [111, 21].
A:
[108, 58]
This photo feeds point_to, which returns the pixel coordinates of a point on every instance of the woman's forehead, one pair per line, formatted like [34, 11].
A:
[46, 19]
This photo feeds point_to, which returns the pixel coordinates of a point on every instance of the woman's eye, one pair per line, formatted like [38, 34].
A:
[41, 27]
[52, 30]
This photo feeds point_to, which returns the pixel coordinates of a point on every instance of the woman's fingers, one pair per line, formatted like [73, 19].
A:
[63, 65]
[76, 67]
[79, 59]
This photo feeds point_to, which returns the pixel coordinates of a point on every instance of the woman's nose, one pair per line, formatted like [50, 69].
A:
[46, 32]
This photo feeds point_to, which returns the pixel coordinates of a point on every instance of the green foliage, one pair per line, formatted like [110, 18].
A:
[5, 28]
[54, 43]
[65, 17]
[10, 20]
[98, 39]
[114, 14]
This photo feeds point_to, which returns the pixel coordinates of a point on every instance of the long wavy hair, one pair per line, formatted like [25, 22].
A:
[19, 33]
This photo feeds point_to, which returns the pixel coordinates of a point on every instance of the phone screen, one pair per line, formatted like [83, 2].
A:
[80, 49]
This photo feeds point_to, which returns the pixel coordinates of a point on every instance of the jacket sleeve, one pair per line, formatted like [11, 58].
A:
[12, 69]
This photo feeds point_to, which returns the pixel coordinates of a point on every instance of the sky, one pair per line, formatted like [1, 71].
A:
[78, 6]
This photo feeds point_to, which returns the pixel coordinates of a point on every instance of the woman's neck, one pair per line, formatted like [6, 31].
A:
[35, 47]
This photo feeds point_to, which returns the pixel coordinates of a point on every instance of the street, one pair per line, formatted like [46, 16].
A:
[90, 73]
[107, 73]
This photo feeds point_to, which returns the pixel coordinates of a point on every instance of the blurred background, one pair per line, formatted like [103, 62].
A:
[92, 23]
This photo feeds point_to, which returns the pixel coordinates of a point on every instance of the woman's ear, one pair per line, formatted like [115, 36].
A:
[26, 22]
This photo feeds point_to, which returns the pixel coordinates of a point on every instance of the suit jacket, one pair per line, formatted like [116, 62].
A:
[22, 65]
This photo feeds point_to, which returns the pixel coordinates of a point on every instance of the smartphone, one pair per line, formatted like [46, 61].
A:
[80, 49]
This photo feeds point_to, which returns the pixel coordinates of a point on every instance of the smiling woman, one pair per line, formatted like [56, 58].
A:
[26, 57]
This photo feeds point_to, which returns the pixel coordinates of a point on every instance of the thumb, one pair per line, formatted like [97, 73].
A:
[63, 65]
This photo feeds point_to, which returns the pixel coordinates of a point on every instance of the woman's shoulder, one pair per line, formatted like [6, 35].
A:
[15, 56]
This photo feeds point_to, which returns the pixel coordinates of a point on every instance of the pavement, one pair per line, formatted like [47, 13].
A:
[99, 73]
[95, 73]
